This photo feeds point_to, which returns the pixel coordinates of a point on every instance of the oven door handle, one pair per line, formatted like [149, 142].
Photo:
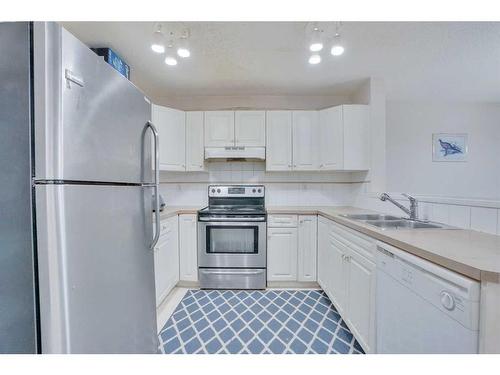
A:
[231, 219]
[228, 272]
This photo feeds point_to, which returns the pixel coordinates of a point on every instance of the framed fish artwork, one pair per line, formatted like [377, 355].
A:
[449, 147]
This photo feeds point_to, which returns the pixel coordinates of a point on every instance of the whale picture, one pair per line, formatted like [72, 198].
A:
[449, 147]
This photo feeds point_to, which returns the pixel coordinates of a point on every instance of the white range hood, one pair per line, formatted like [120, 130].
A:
[237, 152]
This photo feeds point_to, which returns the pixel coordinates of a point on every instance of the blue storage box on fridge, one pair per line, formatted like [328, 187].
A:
[113, 59]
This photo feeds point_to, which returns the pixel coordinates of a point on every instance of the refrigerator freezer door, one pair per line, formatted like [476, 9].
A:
[17, 290]
[90, 122]
[97, 290]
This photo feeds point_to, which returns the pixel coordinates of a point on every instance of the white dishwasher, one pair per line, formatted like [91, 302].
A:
[422, 307]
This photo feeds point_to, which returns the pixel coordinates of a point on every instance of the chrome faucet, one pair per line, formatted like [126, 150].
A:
[412, 212]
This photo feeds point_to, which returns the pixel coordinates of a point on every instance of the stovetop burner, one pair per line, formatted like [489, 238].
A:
[234, 200]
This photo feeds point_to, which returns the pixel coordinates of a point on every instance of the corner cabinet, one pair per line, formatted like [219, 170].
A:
[346, 272]
[344, 138]
[172, 136]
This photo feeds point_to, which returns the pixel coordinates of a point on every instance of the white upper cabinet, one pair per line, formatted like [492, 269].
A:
[305, 140]
[278, 140]
[194, 141]
[219, 128]
[172, 135]
[250, 128]
[344, 137]
[331, 132]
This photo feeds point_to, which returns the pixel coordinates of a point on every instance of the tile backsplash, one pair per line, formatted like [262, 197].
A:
[282, 194]
[282, 188]
[466, 215]
[316, 188]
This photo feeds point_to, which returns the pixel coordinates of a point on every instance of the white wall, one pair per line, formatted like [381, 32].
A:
[409, 149]
[466, 194]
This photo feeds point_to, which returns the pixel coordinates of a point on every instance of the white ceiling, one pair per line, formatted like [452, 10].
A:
[418, 61]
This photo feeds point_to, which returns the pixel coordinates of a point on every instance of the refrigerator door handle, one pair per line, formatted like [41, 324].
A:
[156, 183]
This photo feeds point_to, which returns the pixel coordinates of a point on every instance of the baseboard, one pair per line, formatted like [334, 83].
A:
[188, 284]
[270, 284]
[293, 284]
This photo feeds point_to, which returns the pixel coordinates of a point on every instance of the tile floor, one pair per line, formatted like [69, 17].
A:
[271, 321]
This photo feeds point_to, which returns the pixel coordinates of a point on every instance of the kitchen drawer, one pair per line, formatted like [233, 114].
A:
[167, 225]
[284, 221]
[364, 245]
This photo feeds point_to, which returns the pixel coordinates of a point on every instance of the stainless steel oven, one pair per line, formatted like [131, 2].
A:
[232, 244]
[232, 238]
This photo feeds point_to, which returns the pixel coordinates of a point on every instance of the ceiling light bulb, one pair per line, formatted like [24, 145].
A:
[337, 47]
[183, 52]
[157, 44]
[316, 47]
[183, 48]
[169, 60]
[170, 54]
[314, 59]
[316, 44]
[337, 50]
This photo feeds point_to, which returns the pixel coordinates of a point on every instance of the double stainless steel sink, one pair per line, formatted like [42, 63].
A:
[383, 221]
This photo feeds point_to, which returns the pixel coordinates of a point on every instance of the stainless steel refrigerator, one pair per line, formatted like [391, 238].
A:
[77, 185]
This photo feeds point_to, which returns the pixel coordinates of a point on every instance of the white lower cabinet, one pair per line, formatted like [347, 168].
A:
[337, 269]
[282, 254]
[188, 264]
[291, 248]
[307, 240]
[166, 259]
[349, 278]
[360, 298]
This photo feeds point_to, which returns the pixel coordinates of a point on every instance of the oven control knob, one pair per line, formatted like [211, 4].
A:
[218, 190]
[213, 190]
[259, 190]
[447, 300]
[253, 190]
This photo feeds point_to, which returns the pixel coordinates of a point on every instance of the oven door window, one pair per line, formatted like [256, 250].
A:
[232, 239]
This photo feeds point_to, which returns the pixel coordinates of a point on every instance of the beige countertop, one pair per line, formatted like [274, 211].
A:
[468, 252]
[465, 251]
[178, 210]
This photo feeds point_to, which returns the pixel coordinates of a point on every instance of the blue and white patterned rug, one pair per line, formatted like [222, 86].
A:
[271, 321]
